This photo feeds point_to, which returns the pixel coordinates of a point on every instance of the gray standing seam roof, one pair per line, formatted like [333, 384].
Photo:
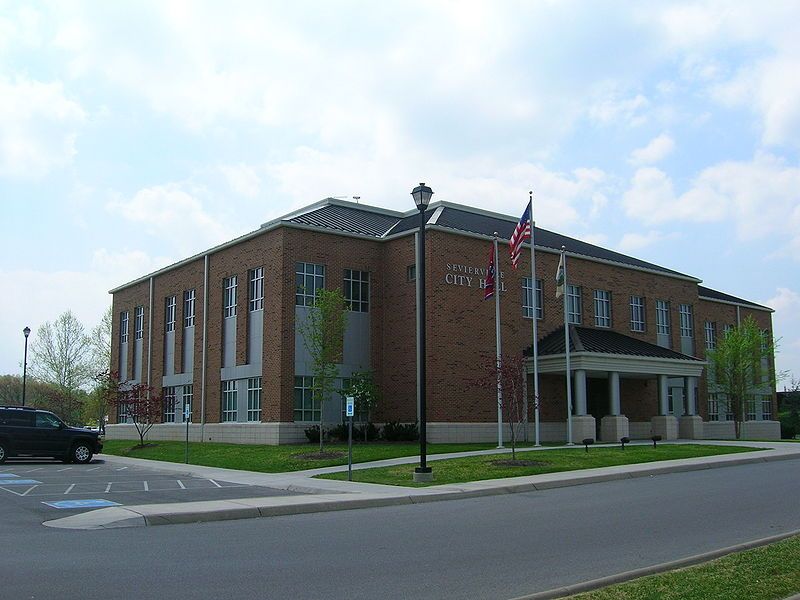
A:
[705, 292]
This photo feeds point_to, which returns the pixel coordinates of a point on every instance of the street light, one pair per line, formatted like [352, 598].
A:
[26, 332]
[422, 197]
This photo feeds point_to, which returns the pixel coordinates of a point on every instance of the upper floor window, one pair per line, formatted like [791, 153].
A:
[229, 305]
[602, 308]
[256, 289]
[308, 279]
[169, 313]
[574, 304]
[138, 322]
[662, 317]
[711, 335]
[637, 313]
[356, 290]
[687, 328]
[188, 308]
[527, 299]
[764, 340]
[726, 328]
[123, 327]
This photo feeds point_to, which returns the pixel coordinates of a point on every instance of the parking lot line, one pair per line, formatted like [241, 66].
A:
[94, 469]
[215, 483]
[146, 487]
[122, 468]
[64, 469]
[69, 489]
[108, 487]
[26, 492]
[180, 483]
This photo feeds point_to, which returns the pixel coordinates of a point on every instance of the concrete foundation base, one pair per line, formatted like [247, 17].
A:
[423, 477]
[690, 427]
[583, 427]
[666, 426]
[614, 427]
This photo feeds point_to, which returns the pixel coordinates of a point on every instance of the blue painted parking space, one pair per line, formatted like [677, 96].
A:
[82, 503]
[18, 482]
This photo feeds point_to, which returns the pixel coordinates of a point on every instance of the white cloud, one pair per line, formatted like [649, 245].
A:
[786, 325]
[656, 150]
[610, 107]
[634, 241]
[242, 179]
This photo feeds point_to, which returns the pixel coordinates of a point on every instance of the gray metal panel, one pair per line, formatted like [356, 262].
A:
[302, 359]
[255, 337]
[240, 372]
[176, 380]
[229, 342]
[662, 339]
[123, 362]
[169, 353]
[357, 341]
[187, 361]
[137, 360]
[687, 346]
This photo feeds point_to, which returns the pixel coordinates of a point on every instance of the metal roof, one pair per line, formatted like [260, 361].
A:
[710, 294]
[347, 218]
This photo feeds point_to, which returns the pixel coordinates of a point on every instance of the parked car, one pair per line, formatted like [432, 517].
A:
[28, 431]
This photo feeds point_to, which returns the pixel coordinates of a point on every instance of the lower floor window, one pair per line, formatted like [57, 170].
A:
[713, 408]
[766, 408]
[188, 392]
[169, 405]
[751, 410]
[305, 407]
[229, 398]
[254, 399]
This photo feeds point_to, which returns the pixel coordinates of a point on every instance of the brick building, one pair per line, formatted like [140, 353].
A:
[219, 331]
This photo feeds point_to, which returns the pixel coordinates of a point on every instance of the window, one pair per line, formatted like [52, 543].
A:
[229, 399]
[728, 411]
[764, 340]
[685, 311]
[711, 335]
[662, 317]
[713, 408]
[411, 273]
[229, 285]
[123, 327]
[637, 313]
[751, 409]
[170, 313]
[308, 279]
[188, 308]
[47, 421]
[254, 399]
[602, 308]
[188, 392]
[305, 408]
[670, 401]
[138, 322]
[356, 290]
[169, 405]
[574, 304]
[527, 303]
[766, 408]
[256, 289]
[122, 413]
[727, 328]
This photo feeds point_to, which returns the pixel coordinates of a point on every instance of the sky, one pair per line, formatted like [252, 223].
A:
[134, 134]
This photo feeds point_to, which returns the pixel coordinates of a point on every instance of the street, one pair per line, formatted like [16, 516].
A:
[492, 547]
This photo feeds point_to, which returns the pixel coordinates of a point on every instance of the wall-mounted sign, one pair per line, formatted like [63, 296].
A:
[469, 276]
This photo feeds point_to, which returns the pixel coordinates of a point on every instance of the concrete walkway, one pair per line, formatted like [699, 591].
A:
[320, 495]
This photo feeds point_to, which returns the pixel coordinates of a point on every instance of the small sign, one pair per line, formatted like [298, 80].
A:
[187, 411]
[81, 503]
[19, 482]
[351, 406]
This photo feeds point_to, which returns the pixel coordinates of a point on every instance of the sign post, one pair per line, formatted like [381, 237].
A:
[350, 411]
[187, 414]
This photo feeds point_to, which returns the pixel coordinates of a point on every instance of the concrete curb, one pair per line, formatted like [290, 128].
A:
[328, 500]
[594, 584]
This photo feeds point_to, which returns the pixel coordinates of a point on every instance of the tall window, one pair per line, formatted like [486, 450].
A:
[728, 408]
[411, 273]
[751, 409]
[254, 399]
[766, 408]
[188, 393]
[637, 313]
[602, 308]
[229, 400]
[256, 289]
[188, 308]
[138, 322]
[356, 290]
[229, 304]
[527, 300]
[713, 408]
[305, 409]
[764, 339]
[711, 335]
[169, 405]
[574, 304]
[726, 328]
[123, 327]
[662, 317]
[308, 279]
[687, 329]
[170, 313]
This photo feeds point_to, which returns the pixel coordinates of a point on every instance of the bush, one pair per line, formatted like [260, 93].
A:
[400, 432]
[339, 433]
[790, 424]
[312, 433]
[373, 433]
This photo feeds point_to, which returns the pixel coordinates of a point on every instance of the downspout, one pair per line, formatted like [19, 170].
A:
[150, 334]
[203, 367]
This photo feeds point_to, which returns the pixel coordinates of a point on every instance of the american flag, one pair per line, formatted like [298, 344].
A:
[488, 291]
[522, 232]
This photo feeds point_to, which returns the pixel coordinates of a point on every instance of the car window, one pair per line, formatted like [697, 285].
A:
[47, 420]
[16, 418]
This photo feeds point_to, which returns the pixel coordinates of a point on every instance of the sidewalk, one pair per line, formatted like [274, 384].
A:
[321, 495]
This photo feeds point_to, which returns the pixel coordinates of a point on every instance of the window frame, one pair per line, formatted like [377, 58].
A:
[307, 403]
[189, 297]
[710, 329]
[184, 396]
[254, 399]
[230, 401]
[168, 412]
[138, 323]
[229, 285]
[574, 304]
[355, 279]
[638, 306]
[663, 321]
[124, 319]
[314, 273]
[527, 309]
[256, 289]
[602, 309]
[686, 315]
[170, 310]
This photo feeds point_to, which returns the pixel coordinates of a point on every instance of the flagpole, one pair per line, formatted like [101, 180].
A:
[566, 347]
[535, 333]
[498, 364]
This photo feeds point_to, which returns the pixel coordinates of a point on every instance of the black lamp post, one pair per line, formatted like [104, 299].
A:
[26, 332]
[422, 197]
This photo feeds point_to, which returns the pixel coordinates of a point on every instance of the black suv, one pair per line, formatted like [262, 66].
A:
[30, 432]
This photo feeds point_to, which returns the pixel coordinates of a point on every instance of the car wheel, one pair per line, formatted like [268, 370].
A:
[3, 452]
[81, 453]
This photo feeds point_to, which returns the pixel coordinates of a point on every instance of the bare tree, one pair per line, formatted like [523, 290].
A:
[100, 343]
[61, 353]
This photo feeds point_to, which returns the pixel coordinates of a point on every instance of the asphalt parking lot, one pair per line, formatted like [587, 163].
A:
[47, 489]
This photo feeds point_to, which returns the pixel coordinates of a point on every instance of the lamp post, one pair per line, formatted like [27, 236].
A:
[26, 332]
[422, 197]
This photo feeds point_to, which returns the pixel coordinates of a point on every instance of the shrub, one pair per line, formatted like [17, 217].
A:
[790, 424]
[339, 432]
[400, 432]
[312, 433]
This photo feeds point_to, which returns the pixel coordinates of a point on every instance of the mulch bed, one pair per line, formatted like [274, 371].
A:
[319, 455]
[508, 462]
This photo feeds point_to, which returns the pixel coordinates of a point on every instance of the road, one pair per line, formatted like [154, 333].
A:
[492, 547]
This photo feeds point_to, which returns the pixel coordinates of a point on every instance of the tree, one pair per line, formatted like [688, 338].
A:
[366, 393]
[737, 366]
[100, 344]
[509, 372]
[139, 402]
[47, 396]
[61, 353]
[323, 336]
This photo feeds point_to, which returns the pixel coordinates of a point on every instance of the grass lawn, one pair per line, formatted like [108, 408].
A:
[475, 468]
[765, 573]
[274, 459]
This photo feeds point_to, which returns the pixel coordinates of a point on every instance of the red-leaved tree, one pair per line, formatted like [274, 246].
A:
[141, 403]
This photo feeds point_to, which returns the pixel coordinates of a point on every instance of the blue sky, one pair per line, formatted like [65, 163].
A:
[135, 134]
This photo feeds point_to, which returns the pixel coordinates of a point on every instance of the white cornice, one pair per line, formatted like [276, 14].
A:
[739, 304]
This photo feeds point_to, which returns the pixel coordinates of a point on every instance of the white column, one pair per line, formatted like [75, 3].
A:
[689, 386]
[613, 393]
[580, 392]
[663, 395]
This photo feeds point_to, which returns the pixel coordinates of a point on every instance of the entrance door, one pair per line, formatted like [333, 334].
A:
[597, 401]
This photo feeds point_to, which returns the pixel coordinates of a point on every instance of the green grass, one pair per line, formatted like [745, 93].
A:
[273, 459]
[765, 573]
[475, 468]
